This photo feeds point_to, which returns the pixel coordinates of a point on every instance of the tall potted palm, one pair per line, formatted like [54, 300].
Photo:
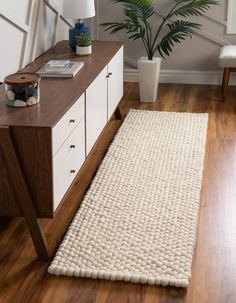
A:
[174, 28]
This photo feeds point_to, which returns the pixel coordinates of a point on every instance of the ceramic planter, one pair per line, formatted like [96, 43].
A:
[148, 74]
[83, 50]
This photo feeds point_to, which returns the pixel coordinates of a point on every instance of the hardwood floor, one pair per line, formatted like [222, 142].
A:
[24, 279]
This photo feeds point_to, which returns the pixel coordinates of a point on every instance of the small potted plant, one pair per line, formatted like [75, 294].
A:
[83, 43]
[173, 28]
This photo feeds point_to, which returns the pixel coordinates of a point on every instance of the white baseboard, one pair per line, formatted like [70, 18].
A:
[183, 76]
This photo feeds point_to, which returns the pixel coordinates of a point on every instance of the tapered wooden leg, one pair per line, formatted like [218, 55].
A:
[117, 114]
[23, 194]
[225, 81]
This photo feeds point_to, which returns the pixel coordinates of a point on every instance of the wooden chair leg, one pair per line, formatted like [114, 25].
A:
[23, 194]
[225, 81]
[117, 114]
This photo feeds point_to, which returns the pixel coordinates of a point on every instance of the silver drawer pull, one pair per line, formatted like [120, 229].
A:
[72, 120]
[72, 146]
[73, 171]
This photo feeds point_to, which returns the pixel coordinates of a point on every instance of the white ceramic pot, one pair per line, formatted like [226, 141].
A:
[83, 50]
[148, 74]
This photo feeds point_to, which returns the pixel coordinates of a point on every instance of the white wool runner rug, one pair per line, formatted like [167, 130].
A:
[138, 221]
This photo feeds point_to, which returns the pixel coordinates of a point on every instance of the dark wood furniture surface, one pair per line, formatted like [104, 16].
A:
[26, 133]
[31, 126]
[57, 94]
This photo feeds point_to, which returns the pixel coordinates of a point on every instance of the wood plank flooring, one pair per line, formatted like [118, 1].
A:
[24, 279]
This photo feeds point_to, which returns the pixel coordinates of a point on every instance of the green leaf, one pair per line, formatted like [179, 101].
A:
[142, 9]
[178, 30]
[192, 7]
[135, 30]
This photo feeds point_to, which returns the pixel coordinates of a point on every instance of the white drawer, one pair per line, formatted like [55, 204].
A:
[68, 122]
[67, 162]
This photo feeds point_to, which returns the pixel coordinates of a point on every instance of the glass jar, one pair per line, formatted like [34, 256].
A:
[22, 89]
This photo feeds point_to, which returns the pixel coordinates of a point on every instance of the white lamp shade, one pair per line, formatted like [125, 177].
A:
[78, 9]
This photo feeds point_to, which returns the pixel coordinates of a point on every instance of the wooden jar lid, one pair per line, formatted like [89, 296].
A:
[22, 79]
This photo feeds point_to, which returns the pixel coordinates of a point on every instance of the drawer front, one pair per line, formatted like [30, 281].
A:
[67, 124]
[67, 162]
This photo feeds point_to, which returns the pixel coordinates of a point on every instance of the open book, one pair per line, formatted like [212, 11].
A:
[60, 68]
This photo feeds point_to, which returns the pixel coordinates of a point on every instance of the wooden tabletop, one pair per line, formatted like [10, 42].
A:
[58, 94]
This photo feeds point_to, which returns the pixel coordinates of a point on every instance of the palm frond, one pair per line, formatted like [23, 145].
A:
[178, 30]
[192, 7]
[131, 15]
[142, 9]
[136, 30]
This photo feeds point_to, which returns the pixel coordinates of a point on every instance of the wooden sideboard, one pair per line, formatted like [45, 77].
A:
[42, 147]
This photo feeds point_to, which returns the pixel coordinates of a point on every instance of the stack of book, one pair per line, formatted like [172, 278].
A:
[60, 68]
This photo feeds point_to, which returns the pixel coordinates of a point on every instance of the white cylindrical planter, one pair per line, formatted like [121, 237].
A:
[83, 50]
[148, 74]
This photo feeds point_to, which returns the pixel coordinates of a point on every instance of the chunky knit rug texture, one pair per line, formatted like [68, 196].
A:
[138, 221]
